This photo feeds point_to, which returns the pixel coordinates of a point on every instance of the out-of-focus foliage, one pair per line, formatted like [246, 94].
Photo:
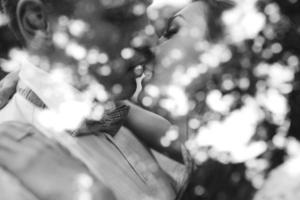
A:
[241, 97]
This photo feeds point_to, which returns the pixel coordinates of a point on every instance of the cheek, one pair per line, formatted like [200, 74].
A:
[175, 57]
[177, 51]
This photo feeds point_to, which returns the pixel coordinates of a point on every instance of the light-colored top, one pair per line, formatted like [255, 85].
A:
[122, 162]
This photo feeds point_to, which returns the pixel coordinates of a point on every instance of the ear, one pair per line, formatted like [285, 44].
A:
[32, 20]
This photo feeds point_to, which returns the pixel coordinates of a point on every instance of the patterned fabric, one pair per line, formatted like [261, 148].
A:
[110, 123]
[31, 97]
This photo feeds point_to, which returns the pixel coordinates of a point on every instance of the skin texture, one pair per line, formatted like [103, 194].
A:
[151, 128]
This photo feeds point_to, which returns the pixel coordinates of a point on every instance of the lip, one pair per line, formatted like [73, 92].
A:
[140, 63]
[136, 71]
[139, 71]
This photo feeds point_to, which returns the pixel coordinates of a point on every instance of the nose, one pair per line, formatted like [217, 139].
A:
[144, 42]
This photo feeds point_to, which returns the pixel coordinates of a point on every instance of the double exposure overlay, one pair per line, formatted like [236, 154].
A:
[224, 73]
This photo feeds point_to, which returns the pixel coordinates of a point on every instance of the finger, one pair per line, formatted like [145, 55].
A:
[5, 158]
[14, 130]
[38, 135]
[27, 135]
[13, 126]
[34, 141]
[13, 161]
[40, 140]
[11, 146]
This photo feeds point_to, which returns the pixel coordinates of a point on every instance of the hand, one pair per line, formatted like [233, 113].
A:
[110, 123]
[8, 87]
[44, 167]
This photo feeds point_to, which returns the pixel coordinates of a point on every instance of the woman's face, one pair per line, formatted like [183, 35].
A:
[177, 60]
[181, 43]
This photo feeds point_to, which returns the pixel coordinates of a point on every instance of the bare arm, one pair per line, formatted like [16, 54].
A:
[151, 128]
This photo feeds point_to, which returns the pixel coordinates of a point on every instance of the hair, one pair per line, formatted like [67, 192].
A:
[9, 7]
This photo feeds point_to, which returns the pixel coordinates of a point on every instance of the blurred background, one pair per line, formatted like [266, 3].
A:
[243, 114]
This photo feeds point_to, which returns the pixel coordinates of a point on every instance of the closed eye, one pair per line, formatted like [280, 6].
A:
[170, 32]
[173, 27]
